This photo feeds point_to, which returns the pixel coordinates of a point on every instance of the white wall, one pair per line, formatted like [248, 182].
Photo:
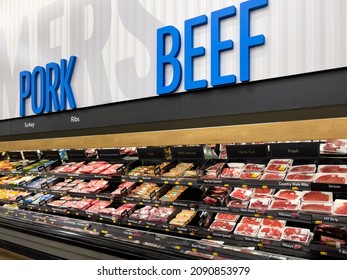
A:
[115, 42]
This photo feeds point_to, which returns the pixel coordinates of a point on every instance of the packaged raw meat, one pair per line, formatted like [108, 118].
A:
[262, 196]
[274, 223]
[227, 217]
[273, 176]
[340, 207]
[332, 169]
[288, 194]
[238, 165]
[222, 225]
[96, 207]
[247, 175]
[334, 147]
[233, 173]
[122, 186]
[310, 196]
[247, 230]
[259, 203]
[296, 234]
[183, 218]
[251, 221]
[276, 168]
[285, 205]
[300, 177]
[281, 161]
[254, 167]
[264, 191]
[238, 204]
[316, 207]
[241, 194]
[271, 233]
[330, 178]
[308, 168]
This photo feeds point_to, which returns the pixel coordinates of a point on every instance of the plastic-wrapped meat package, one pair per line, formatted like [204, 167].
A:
[264, 191]
[183, 218]
[300, 177]
[247, 230]
[160, 215]
[316, 207]
[340, 207]
[336, 146]
[254, 167]
[98, 206]
[227, 217]
[125, 207]
[216, 195]
[251, 221]
[232, 173]
[238, 204]
[271, 233]
[277, 168]
[286, 205]
[307, 168]
[281, 161]
[112, 170]
[272, 177]
[248, 175]
[316, 196]
[221, 225]
[332, 235]
[101, 168]
[332, 169]
[84, 204]
[72, 168]
[288, 195]
[108, 211]
[259, 203]
[241, 194]
[69, 204]
[330, 178]
[274, 223]
[122, 186]
[56, 203]
[296, 234]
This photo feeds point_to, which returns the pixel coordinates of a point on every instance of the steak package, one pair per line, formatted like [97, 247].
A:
[271, 233]
[300, 177]
[331, 235]
[303, 169]
[330, 178]
[316, 196]
[317, 207]
[296, 234]
[340, 207]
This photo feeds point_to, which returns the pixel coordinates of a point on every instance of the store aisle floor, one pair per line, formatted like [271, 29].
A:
[8, 255]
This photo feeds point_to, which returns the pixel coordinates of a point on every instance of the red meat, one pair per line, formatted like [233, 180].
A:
[247, 229]
[332, 169]
[211, 200]
[241, 194]
[231, 173]
[341, 210]
[316, 207]
[278, 161]
[251, 221]
[299, 177]
[270, 233]
[287, 194]
[254, 167]
[276, 167]
[296, 234]
[303, 169]
[328, 240]
[227, 217]
[238, 204]
[283, 205]
[250, 175]
[273, 223]
[222, 225]
[273, 176]
[316, 196]
[263, 191]
[261, 203]
[331, 179]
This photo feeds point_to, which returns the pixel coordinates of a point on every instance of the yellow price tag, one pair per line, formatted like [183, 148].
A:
[123, 180]
[226, 185]
[318, 222]
[104, 231]
[101, 219]
[129, 224]
[130, 237]
[52, 223]
[264, 187]
[167, 229]
[194, 250]
[324, 253]
[147, 226]
[215, 254]
[140, 181]
[140, 203]
[192, 233]
[295, 188]
[176, 183]
[209, 236]
[260, 245]
[166, 182]
[180, 232]
[190, 183]
[270, 217]
[257, 215]
[178, 247]
[244, 186]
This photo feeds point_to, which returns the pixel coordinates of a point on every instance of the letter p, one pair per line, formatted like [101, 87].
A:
[25, 90]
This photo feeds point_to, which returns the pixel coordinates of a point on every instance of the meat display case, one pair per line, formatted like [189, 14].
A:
[194, 235]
